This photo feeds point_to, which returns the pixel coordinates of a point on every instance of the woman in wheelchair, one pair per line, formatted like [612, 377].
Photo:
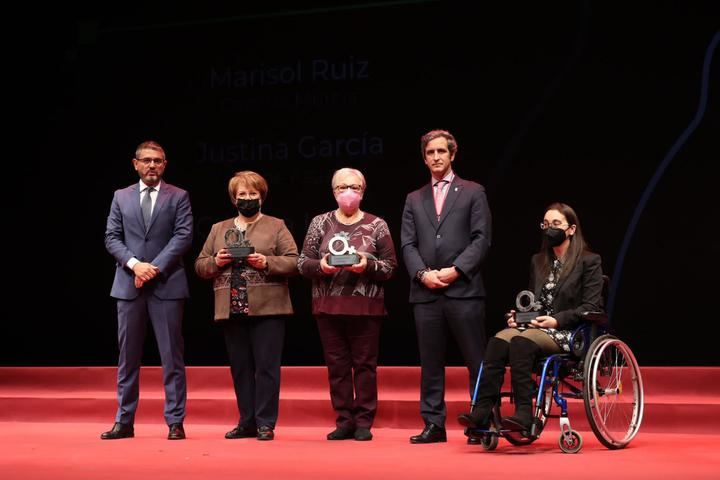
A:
[566, 278]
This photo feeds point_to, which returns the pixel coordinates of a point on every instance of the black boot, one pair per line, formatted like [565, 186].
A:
[523, 354]
[493, 373]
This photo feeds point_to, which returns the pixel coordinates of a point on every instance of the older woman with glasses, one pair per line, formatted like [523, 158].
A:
[566, 278]
[348, 300]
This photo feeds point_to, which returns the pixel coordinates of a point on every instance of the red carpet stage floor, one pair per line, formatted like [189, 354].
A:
[51, 418]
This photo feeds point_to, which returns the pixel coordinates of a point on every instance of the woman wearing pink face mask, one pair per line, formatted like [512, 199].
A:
[348, 302]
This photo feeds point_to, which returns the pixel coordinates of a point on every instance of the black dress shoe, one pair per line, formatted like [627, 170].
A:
[363, 435]
[431, 434]
[242, 432]
[119, 430]
[341, 433]
[265, 433]
[176, 432]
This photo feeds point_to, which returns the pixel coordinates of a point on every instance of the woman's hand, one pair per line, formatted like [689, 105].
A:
[223, 257]
[360, 266]
[544, 321]
[257, 260]
[510, 317]
[326, 268]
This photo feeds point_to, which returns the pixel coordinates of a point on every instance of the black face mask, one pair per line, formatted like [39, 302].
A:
[248, 208]
[555, 236]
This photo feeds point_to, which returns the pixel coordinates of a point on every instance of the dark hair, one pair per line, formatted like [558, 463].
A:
[432, 135]
[575, 250]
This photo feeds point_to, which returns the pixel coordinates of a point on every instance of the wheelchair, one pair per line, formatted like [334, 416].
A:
[600, 370]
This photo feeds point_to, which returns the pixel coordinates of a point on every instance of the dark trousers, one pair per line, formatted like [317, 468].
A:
[254, 346]
[465, 319]
[166, 319]
[350, 345]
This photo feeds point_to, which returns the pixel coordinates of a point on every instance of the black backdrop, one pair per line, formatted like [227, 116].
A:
[572, 101]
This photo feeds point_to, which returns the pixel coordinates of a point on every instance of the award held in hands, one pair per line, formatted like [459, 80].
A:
[528, 309]
[236, 243]
[341, 253]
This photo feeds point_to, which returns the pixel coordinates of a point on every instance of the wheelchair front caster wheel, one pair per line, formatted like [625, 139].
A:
[570, 442]
[489, 442]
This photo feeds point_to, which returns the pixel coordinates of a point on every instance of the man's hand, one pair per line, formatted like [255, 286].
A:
[145, 271]
[448, 275]
[431, 280]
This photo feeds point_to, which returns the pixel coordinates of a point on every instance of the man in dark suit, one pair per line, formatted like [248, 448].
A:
[445, 238]
[149, 229]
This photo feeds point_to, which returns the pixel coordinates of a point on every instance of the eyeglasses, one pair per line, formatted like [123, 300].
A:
[148, 160]
[341, 188]
[554, 224]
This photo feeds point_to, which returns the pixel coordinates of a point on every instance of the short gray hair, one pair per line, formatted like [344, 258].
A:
[345, 171]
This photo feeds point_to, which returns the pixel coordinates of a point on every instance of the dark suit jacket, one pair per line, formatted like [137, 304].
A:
[460, 238]
[578, 292]
[167, 239]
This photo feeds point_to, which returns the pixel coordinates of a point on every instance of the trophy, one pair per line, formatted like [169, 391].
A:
[341, 253]
[527, 308]
[237, 244]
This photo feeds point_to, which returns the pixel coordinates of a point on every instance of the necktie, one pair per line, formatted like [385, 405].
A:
[439, 196]
[146, 206]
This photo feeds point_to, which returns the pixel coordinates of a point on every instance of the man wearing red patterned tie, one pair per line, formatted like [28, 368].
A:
[444, 239]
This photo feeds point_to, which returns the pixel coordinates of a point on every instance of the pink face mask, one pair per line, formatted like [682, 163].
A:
[348, 201]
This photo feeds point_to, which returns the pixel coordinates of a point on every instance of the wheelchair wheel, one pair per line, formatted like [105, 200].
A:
[613, 392]
[571, 442]
[489, 441]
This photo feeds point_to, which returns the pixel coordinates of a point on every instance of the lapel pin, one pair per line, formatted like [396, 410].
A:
[456, 189]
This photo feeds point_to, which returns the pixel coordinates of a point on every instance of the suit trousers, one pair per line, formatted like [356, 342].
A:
[350, 345]
[464, 318]
[166, 319]
[254, 346]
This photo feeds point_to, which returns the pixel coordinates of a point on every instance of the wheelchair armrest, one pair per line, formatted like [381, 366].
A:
[598, 318]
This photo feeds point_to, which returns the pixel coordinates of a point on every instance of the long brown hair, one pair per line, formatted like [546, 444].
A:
[575, 250]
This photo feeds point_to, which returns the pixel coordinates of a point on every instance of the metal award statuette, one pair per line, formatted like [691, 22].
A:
[237, 244]
[527, 308]
[345, 255]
